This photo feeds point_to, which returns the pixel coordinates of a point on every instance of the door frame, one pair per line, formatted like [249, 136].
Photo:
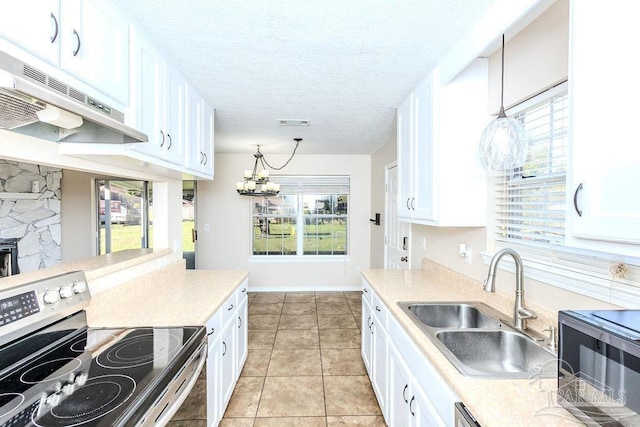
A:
[387, 223]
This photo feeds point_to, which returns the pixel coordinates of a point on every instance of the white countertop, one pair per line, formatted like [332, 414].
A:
[521, 402]
[170, 296]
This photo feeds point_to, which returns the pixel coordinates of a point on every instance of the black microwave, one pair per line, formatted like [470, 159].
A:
[599, 366]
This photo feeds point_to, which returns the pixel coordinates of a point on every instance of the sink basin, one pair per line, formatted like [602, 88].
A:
[497, 354]
[452, 315]
[471, 336]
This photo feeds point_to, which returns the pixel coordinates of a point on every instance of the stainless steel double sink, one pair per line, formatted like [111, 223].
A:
[474, 339]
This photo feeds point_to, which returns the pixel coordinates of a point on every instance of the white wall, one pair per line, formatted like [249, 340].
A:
[227, 243]
[535, 59]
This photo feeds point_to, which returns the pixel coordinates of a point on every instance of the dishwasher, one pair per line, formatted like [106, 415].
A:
[462, 416]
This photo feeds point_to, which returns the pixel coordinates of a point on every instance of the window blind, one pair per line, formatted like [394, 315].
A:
[312, 184]
[530, 200]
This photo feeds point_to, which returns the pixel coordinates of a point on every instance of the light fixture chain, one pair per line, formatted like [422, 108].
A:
[290, 158]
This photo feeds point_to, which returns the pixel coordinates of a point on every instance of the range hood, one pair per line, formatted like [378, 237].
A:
[36, 104]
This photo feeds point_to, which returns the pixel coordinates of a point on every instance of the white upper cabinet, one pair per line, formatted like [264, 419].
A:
[34, 25]
[200, 135]
[159, 100]
[602, 190]
[89, 39]
[441, 180]
[94, 46]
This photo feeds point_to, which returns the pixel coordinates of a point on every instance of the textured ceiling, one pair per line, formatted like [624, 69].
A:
[344, 65]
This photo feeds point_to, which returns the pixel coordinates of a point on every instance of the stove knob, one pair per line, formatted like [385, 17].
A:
[54, 399]
[51, 296]
[66, 292]
[81, 379]
[79, 287]
[69, 388]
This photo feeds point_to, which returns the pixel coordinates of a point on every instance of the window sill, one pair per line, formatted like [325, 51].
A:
[596, 283]
[337, 259]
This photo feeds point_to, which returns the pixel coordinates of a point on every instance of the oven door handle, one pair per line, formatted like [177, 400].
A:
[162, 412]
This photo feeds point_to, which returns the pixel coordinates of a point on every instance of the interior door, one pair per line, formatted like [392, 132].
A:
[396, 232]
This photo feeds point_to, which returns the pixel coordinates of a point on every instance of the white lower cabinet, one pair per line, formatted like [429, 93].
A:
[409, 390]
[227, 335]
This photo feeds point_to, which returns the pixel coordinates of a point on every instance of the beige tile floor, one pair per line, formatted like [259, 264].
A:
[303, 367]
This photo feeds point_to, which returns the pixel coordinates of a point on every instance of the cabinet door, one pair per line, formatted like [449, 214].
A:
[175, 87]
[399, 392]
[423, 197]
[379, 363]
[605, 157]
[422, 412]
[241, 341]
[208, 138]
[148, 94]
[94, 46]
[194, 129]
[214, 396]
[367, 335]
[227, 365]
[405, 162]
[34, 25]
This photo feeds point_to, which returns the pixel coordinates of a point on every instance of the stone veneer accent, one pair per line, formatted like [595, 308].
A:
[35, 223]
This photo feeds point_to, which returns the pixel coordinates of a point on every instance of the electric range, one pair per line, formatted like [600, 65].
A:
[56, 371]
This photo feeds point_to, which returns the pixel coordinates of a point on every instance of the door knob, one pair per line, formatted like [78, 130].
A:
[404, 259]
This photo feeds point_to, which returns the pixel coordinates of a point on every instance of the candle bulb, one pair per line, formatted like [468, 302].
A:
[276, 187]
[240, 186]
[247, 173]
[265, 173]
[251, 185]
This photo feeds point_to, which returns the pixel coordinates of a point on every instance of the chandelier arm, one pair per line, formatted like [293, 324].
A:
[287, 162]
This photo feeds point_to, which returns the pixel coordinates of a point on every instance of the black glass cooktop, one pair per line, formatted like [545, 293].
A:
[89, 377]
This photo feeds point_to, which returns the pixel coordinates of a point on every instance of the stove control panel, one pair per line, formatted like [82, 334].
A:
[49, 299]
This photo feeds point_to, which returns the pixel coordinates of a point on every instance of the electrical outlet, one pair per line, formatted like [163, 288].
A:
[207, 227]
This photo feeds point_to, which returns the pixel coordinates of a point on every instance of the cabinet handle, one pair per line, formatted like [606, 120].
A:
[170, 142]
[239, 322]
[366, 290]
[55, 32]
[408, 207]
[75, 52]
[404, 393]
[575, 200]
[413, 206]
[404, 259]
[162, 143]
[212, 331]
[243, 290]
[201, 157]
[230, 307]
[206, 159]
[369, 324]
[378, 308]
[410, 406]
[224, 344]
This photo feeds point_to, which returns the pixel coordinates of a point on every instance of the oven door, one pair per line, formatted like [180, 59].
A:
[176, 391]
[598, 374]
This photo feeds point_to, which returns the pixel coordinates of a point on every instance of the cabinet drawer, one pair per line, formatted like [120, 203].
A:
[366, 291]
[379, 310]
[214, 327]
[228, 309]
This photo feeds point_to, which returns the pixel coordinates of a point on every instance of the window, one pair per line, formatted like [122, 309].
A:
[530, 201]
[122, 215]
[309, 217]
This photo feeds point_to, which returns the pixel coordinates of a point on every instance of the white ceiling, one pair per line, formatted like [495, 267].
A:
[344, 65]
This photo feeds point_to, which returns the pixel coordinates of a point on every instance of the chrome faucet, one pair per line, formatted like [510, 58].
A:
[520, 313]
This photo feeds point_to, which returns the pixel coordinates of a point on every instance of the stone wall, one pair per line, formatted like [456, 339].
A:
[35, 223]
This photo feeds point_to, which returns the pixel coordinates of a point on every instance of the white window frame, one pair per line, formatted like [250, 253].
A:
[583, 271]
[292, 182]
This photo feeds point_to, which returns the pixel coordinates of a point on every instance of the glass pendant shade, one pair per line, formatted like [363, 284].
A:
[503, 144]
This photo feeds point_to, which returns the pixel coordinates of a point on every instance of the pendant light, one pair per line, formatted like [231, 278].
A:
[256, 182]
[503, 144]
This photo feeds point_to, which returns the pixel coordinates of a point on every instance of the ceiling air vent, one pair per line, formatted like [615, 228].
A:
[290, 122]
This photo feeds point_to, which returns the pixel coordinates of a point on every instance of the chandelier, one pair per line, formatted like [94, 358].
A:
[256, 181]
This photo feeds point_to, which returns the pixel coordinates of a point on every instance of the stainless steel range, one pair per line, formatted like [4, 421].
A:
[56, 371]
